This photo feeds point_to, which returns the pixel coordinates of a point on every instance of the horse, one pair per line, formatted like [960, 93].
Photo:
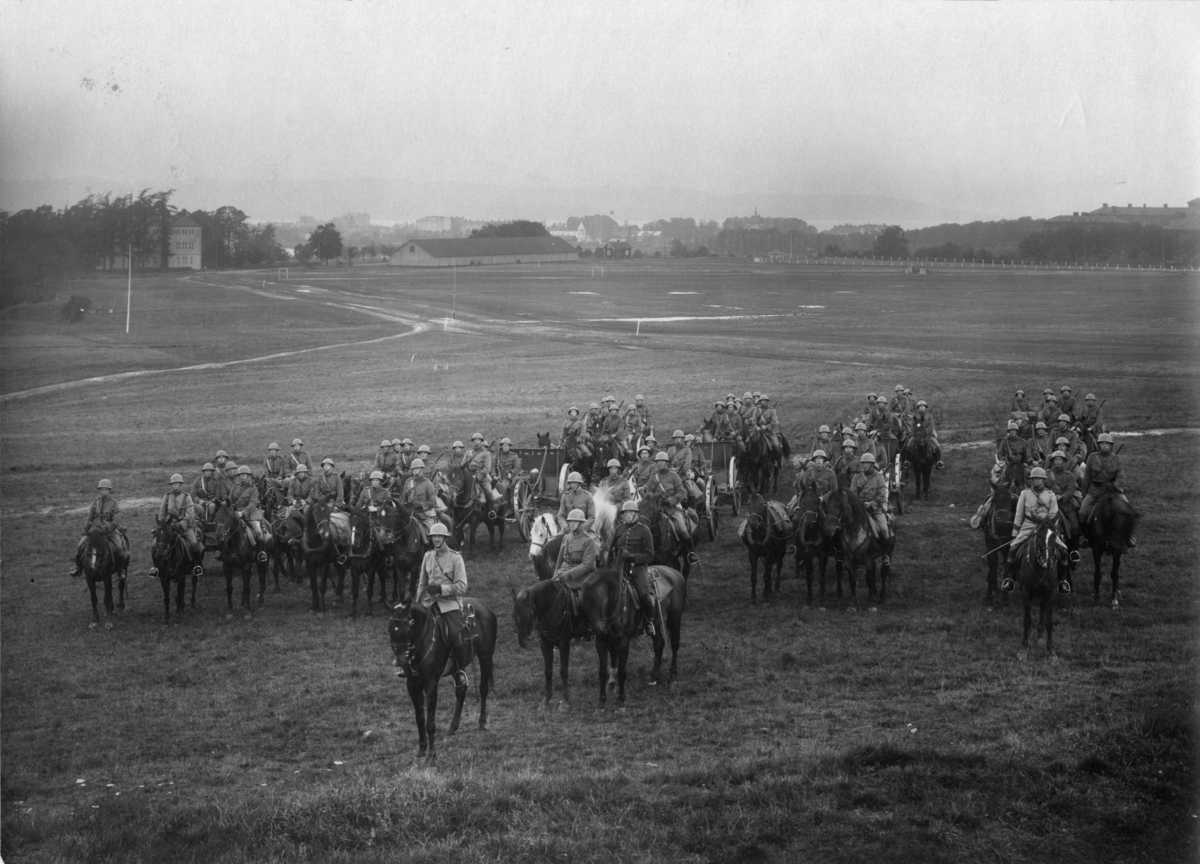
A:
[271, 498]
[320, 552]
[547, 605]
[464, 505]
[492, 514]
[615, 616]
[371, 554]
[584, 463]
[236, 550]
[1112, 524]
[171, 561]
[848, 520]
[425, 651]
[670, 549]
[760, 465]
[812, 542]
[766, 535]
[997, 533]
[545, 541]
[918, 453]
[1037, 575]
[99, 565]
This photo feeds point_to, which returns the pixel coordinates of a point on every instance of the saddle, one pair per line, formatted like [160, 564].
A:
[339, 528]
[456, 625]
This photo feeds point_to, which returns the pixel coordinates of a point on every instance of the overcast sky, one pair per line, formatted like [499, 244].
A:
[999, 108]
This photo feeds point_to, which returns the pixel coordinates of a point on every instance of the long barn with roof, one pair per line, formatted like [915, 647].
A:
[483, 250]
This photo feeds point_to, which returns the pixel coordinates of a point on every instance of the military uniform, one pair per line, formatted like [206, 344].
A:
[579, 499]
[103, 514]
[1100, 473]
[1032, 507]
[846, 468]
[1040, 448]
[871, 490]
[300, 488]
[576, 557]
[665, 487]
[479, 463]
[644, 413]
[179, 506]
[575, 430]
[1013, 449]
[243, 499]
[327, 487]
[816, 478]
[768, 422]
[1067, 404]
[633, 424]
[387, 461]
[1091, 419]
[508, 470]
[616, 489]
[1061, 481]
[633, 546]
[273, 467]
[404, 461]
[294, 460]
[444, 568]
[642, 472]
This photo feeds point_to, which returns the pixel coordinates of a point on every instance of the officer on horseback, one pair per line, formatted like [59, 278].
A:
[577, 555]
[297, 458]
[443, 578]
[103, 514]
[273, 465]
[871, 489]
[1101, 478]
[1035, 504]
[633, 551]
[178, 505]
[577, 499]
[243, 499]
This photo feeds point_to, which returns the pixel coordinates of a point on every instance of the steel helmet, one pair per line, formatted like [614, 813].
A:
[643, 449]
[718, 404]
[849, 442]
[385, 443]
[231, 465]
[245, 469]
[301, 468]
[632, 409]
[729, 396]
[1037, 472]
[176, 478]
[376, 475]
[576, 515]
[1058, 454]
[208, 466]
[478, 436]
[1064, 389]
[678, 433]
[613, 463]
[1052, 398]
[907, 391]
[505, 441]
[424, 448]
[652, 439]
[1013, 426]
[609, 398]
[860, 425]
[104, 484]
[296, 441]
[574, 477]
[439, 530]
[823, 428]
[661, 456]
[272, 446]
[1019, 393]
[572, 410]
[613, 406]
[638, 398]
[396, 442]
[629, 507]
[866, 458]
[1091, 397]
[899, 388]
[871, 397]
[922, 404]
[407, 441]
[593, 405]
[416, 463]
[327, 461]
[1066, 417]
[1104, 438]
[1047, 392]
[755, 394]
[456, 445]
[221, 453]
[1039, 425]
[819, 454]
[689, 438]
[747, 395]
[1066, 441]
[764, 398]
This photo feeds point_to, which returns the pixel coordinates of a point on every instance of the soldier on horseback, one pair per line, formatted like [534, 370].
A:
[221, 460]
[633, 426]
[243, 499]
[458, 457]
[577, 555]
[300, 488]
[846, 466]
[421, 497]
[207, 490]
[767, 421]
[922, 423]
[297, 458]
[593, 420]
[1050, 411]
[1101, 478]
[574, 434]
[479, 464]
[328, 485]
[1090, 418]
[1035, 504]
[508, 467]
[1061, 479]
[611, 429]
[871, 489]
[615, 485]
[639, 404]
[577, 499]
[900, 405]
[373, 497]
[822, 441]
[1066, 402]
[1012, 448]
[644, 468]
[1041, 445]
[1076, 449]
[633, 551]
[178, 505]
[273, 465]
[443, 583]
[103, 514]
[817, 478]
[666, 489]
[386, 459]
[878, 414]
[405, 456]
[231, 468]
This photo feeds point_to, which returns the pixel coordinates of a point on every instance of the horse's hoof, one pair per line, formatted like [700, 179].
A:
[93, 625]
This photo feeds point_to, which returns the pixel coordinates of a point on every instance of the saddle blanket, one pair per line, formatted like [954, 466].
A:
[339, 528]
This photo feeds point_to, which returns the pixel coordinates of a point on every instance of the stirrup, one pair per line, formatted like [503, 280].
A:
[152, 573]
[197, 571]
[650, 628]
[1008, 585]
[1075, 557]
[1132, 542]
[1064, 587]
[1083, 542]
[262, 557]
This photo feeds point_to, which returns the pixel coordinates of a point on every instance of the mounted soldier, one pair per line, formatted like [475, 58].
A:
[633, 551]
[700, 466]
[103, 514]
[386, 459]
[1061, 480]
[405, 456]
[508, 468]
[443, 582]
[846, 466]
[1041, 445]
[871, 489]
[615, 486]
[1050, 411]
[328, 485]
[866, 444]
[1066, 402]
[574, 434]
[297, 458]
[1101, 478]
[633, 427]
[639, 404]
[1020, 410]
[221, 461]
[823, 440]
[1090, 418]
[243, 500]
[479, 464]
[578, 552]
[922, 424]
[666, 489]
[611, 430]
[207, 490]
[767, 421]
[577, 498]
[178, 505]
[231, 468]
[300, 487]
[879, 418]
[817, 478]
[374, 497]
[426, 457]
[644, 468]
[593, 420]
[1013, 449]
[421, 497]
[1076, 448]
[273, 465]
[1035, 504]
[458, 456]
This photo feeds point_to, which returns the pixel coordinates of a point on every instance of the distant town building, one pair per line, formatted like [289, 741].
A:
[183, 249]
[1172, 218]
[435, 224]
[617, 249]
[466, 251]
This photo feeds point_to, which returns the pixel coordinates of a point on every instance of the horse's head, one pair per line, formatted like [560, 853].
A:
[1045, 546]
[807, 518]
[523, 615]
[97, 553]
[543, 439]
[757, 530]
[317, 521]
[360, 531]
[543, 528]
[400, 630]
[834, 505]
[462, 485]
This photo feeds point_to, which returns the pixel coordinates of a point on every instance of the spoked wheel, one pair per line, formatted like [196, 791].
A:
[523, 507]
[710, 509]
[735, 492]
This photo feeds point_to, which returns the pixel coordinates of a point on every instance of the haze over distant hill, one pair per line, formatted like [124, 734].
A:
[407, 200]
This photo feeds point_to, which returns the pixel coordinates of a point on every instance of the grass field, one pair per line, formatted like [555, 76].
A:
[910, 733]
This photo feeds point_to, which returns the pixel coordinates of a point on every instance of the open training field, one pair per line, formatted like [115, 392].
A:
[910, 732]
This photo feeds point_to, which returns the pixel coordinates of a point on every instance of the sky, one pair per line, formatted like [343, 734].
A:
[1005, 109]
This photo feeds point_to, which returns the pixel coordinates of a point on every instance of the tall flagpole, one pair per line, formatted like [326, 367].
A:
[129, 291]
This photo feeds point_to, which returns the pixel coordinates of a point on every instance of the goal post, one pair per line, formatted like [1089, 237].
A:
[281, 274]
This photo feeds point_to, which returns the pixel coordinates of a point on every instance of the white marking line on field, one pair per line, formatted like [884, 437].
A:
[683, 292]
[699, 317]
[1145, 433]
[593, 293]
[810, 307]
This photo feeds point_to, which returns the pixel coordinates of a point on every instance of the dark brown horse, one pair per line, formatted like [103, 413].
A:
[372, 551]
[615, 617]
[1112, 524]
[237, 552]
[172, 561]
[321, 552]
[1037, 576]
[848, 520]
[997, 532]
[99, 565]
[272, 500]
[546, 608]
[425, 649]
[919, 455]
[670, 549]
[812, 543]
[766, 535]
[759, 466]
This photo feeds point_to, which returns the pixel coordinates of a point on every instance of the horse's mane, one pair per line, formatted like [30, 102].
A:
[857, 513]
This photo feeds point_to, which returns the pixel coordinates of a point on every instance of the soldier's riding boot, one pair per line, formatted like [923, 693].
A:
[648, 611]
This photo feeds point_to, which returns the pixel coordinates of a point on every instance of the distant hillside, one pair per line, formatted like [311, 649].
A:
[999, 238]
